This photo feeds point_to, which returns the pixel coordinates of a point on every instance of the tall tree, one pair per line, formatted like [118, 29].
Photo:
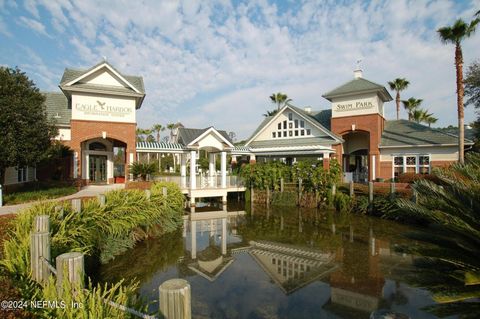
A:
[398, 85]
[157, 128]
[429, 119]
[279, 99]
[270, 113]
[472, 84]
[26, 132]
[171, 126]
[455, 34]
[411, 105]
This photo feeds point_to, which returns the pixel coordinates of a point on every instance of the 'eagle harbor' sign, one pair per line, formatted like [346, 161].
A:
[103, 109]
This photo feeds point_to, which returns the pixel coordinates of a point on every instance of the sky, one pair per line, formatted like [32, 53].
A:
[215, 63]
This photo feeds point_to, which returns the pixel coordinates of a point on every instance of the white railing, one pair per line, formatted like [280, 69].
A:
[202, 182]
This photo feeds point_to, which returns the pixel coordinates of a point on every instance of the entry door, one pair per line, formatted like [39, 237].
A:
[98, 168]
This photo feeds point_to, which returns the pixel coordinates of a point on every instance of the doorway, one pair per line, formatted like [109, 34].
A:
[98, 169]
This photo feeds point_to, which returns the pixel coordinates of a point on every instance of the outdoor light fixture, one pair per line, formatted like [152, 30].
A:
[104, 135]
[353, 127]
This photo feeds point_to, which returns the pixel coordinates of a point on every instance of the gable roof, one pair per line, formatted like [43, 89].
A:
[56, 106]
[359, 85]
[403, 133]
[70, 75]
[187, 135]
[308, 116]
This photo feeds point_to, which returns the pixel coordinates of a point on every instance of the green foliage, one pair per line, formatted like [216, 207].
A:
[453, 209]
[343, 203]
[143, 170]
[472, 84]
[284, 198]
[361, 205]
[26, 131]
[38, 191]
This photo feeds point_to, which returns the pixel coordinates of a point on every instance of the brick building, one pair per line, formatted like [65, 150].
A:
[355, 132]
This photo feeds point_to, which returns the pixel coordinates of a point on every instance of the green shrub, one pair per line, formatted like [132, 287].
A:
[342, 202]
[284, 198]
[361, 205]
[143, 170]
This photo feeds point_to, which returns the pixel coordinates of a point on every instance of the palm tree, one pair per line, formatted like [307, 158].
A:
[455, 34]
[279, 99]
[411, 105]
[429, 118]
[270, 113]
[171, 126]
[158, 128]
[398, 85]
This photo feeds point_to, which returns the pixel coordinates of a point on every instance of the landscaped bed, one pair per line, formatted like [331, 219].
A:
[101, 232]
[38, 191]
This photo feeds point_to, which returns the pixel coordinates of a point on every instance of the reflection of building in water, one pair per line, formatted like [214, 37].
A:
[359, 283]
[211, 258]
[291, 267]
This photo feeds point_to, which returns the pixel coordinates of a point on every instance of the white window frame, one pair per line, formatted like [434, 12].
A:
[417, 163]
[22, 174]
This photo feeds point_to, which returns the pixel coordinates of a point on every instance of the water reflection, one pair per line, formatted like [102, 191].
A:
[274, 263]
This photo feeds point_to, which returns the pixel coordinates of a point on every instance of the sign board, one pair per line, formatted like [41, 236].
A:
[99, 108]
[360, 105]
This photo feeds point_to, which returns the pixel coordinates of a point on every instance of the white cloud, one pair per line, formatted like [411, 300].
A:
[34, 25]
[4, 29]
[215, 63]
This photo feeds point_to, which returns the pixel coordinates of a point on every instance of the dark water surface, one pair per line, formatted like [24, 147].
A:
[279, 263]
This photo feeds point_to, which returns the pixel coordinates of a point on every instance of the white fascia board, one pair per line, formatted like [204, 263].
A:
[424, 145]
[212, 129]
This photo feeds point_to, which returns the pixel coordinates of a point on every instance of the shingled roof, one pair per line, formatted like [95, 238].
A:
[187, 135]
[403, 133]
[358, 85]
[57, 108]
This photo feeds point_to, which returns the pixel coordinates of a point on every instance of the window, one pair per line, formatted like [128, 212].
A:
[289, 133]
[279, 134]
[424, 164]
[284, 133]
[284, 125]
[274, 134]
[97, 146]
[21, 174]
[290, 116]
[302, 132]
[290, 125]
[308, 131]
[296, 123]
[279, 126]
[296, 132]
[302, 124]
[411, 166]
[397, 165]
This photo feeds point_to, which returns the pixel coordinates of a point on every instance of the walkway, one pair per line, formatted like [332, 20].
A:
[87, 191]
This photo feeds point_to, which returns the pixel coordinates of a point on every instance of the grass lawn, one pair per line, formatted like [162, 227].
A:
[38, 191]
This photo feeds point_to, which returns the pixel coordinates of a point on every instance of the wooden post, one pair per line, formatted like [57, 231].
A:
[299, 191]
[164, 191]
[414, 196]
[39, 247]
[334, 190]
[281, 184]
[352, 190]
[70, 267]
[41, 224]
[59, 211]
[370, 192]
[392, 188]
[101, 199]
[268, 196]
[77, 205]
[148, 193]
[175, 300]
[251, 194]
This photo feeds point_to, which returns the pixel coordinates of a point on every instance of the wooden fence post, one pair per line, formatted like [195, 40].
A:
[268, 196]
[175, 300]
[102, 199]
[392, 189]
[148, 194]
[352, 191]
[164, 191]
[41, 224]
[281, 184]
[334, 190]
[39, 248]
[70, 267]
[299, 191]
[59, 211]
[370, 192]
[77, 205]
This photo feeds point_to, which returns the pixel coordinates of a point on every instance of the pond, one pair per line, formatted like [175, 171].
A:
[279, 263]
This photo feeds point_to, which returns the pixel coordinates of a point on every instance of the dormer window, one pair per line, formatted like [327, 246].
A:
[290, 116]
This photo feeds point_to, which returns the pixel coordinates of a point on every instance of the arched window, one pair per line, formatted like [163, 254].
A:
[97, 146]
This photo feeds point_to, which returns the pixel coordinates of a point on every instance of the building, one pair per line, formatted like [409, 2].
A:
[355, 132]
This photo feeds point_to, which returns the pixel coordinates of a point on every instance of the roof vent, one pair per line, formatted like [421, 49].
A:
[357, 73]
[308, 109]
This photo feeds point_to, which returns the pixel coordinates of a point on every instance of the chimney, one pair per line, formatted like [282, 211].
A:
[357, 73]
[308, 109]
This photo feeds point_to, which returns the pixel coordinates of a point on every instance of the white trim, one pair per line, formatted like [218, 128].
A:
[106, 65]
[314, 123]
[424, 145]
[211, 129]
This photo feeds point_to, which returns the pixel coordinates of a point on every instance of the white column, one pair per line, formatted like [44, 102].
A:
[86, 167]
[224, 236]
[130, 161]
[193, 163]
[252, 157]
[183, 170]
[373, 168]
[211, 170]
[109, 167]
[223, 168]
